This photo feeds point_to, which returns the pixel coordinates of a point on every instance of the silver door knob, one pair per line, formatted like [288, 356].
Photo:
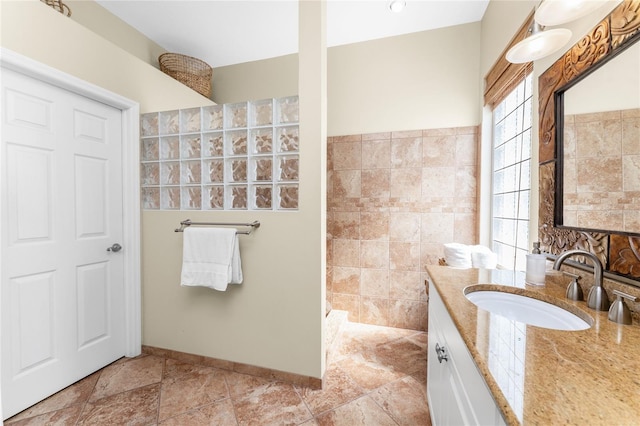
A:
[115, 248]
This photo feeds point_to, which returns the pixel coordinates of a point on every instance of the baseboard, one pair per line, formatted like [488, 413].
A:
[265, 373]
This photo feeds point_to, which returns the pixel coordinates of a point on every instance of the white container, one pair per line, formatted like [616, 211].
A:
[536, 269]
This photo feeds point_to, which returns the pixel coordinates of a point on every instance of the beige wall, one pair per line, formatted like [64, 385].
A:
[416, 81]
[424, 80]
[274, 319]
[102, 22]
[33, 29]
[268, 78]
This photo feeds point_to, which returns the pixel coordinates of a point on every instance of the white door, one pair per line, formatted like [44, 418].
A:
[62, 292]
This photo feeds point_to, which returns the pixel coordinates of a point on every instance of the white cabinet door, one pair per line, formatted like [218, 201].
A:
[62, 292]
[457, 393]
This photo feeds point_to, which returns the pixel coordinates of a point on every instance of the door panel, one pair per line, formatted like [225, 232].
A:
[29, 193]
[62, 291]
[93, 312]
[32, 313]
[91, 197]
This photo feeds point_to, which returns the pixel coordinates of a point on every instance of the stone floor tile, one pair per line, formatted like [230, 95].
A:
[219, 413]
[77, 393]
[130, 374]
[183, 393]
[338, 389]
[361, 412]
[277, 404]
[405, 401]
[63, 417]
[135, 407]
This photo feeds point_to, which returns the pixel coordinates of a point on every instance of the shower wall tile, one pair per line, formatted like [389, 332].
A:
[347, 156]
[466, 150]
[347, 183]
[377, 154]
[402, 285]
[406, 152]
[404, 256]
[406, 184]
[412, 192]
[438, 182]
[374, 282]
[441, 132]
[406, 134]
[349, 303]
[347, 138]
[346, 252]
[438, 227]
[346, 225]
[346, 280]
[375, 183]
[374, 226]
[404, 226]
[374, 310]
[465, 181]
[464, 228]
[408, 314]
[439, 151]
[376, 136]
[374, 254]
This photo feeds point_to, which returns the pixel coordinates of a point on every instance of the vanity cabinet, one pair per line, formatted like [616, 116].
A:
[457, 393]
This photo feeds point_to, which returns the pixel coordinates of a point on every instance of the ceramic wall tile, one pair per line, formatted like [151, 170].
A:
[376, 154]
[406, 152]
[375, 183]
[414, 191]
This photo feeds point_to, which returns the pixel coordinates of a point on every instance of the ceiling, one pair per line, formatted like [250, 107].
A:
[226, 32]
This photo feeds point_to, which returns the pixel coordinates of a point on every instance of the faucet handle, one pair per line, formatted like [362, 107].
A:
[625, 295]
[574, 291]
[569, 274]
[619, 312]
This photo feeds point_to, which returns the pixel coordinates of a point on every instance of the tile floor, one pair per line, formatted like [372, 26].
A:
[375, 376]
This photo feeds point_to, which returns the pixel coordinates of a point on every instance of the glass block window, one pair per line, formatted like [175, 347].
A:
[240, 156]
[511, 176]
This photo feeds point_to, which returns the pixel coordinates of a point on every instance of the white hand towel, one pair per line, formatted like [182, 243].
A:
[457, 255]
[483, 257]
[210, 258]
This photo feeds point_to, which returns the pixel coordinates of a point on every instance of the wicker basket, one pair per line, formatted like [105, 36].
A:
[189, 71]
[59, 6]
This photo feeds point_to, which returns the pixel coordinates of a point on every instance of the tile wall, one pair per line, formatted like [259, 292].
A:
[393, 200]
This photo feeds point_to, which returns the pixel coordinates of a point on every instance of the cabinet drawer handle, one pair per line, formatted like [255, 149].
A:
[442, 353]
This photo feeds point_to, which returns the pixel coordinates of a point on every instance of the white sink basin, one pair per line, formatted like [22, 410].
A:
[526, 310]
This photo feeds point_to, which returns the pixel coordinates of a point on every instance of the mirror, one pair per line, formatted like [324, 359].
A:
[596, 52]
[600, 147]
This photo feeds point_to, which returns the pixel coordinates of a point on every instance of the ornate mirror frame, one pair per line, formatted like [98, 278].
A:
[618, 252]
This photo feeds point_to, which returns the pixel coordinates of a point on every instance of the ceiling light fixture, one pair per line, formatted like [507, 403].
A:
[538, 44]
[556, 12]
[397, 6]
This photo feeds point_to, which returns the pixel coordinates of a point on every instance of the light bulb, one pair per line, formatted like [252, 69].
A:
[397, 6]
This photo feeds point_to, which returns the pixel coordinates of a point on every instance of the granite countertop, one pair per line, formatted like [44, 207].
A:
[542, 376]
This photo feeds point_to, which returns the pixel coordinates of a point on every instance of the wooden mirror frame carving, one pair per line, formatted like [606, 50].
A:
[618, 252]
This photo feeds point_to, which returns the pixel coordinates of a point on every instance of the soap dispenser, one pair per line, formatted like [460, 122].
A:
[619, 312]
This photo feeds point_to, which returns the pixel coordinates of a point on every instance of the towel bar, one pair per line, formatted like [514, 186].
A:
[253, 225]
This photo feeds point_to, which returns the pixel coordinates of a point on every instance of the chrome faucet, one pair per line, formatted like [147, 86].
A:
[597, 298]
